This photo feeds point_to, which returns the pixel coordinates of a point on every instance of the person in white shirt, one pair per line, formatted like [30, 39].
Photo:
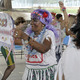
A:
[69, 64]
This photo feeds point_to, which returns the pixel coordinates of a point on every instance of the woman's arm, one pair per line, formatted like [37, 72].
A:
[17, 37]
[63, 77]
[65, 22]
[17, 41]
[42, 48]
[63, 9]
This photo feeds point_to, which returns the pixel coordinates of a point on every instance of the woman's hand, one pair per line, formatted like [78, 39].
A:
[17, 33]
[61, 4]
[17, 36]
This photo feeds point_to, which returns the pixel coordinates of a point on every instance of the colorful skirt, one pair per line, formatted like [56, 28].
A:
[5, 52]
[39, 74]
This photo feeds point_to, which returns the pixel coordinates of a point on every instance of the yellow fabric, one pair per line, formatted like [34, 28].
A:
[9, 58]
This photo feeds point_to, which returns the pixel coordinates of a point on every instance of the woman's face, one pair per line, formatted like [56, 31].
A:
[36, 25]
[21, 25]
[60, 19]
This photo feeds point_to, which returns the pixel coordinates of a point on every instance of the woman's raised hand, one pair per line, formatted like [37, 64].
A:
[61, 4]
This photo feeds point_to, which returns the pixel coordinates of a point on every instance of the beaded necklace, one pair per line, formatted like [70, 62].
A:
[39, 38]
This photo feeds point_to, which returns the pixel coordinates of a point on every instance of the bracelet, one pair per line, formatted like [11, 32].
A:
[29, 38]
[26, 42]
[69, 15]
[63, 8]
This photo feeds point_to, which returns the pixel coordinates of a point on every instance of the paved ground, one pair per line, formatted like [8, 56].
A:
[19, 69]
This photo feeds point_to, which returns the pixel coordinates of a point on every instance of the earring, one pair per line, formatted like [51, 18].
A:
[43, 25]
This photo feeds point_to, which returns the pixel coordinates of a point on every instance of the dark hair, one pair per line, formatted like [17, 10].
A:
[19, 20]
[58, 16]
[53, 13]
[77, 39]
[77, 26]
[76, 31]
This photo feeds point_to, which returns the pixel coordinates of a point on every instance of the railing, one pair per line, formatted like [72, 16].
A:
[17, 51]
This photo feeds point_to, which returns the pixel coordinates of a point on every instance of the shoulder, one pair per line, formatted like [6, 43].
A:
[49, 32]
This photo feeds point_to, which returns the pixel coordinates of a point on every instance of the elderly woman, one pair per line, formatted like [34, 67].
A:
[39, 45]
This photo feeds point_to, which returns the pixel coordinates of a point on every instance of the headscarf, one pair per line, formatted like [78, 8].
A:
[46, 18]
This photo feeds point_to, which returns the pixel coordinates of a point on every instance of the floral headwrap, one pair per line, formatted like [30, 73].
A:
[45, 17]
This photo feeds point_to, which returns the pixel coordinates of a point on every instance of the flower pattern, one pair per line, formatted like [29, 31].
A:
[45, 15]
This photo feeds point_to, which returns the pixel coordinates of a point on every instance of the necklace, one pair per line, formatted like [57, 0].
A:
[39, 38]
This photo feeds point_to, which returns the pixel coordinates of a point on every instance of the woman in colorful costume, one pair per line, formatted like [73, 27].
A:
[6, 43]
[39, 47]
